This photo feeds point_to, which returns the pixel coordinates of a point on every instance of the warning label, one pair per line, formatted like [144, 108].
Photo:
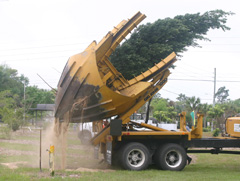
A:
[236, 127]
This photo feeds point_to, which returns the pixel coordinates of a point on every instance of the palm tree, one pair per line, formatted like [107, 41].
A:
[204, 108]
[193, 103]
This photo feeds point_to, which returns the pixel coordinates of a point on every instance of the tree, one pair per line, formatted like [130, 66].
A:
[222, 94]
[190, 104]
[237, 105]
[180, 104]
[35, 96]
[181, 97]
[217, 113]
[10, 80]
[152, 42]
[204, 108]
[193, 103]
[9, 110]
[162, 110]
[11, 97]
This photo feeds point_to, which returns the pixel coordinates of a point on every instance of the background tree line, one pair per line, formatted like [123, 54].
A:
[165, 110]
[12, 102]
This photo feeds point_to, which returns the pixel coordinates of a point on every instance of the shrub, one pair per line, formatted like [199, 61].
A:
[216, 132]
[15, 125]
[208, 129]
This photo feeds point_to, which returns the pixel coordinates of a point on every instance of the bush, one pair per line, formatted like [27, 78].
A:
[208, 129]
[216, 132]
[15, 125]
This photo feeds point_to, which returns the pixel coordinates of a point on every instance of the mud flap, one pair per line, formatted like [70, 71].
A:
[109, 152]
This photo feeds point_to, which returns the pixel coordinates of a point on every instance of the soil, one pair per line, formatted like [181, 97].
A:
[14, 165]
[79, 157]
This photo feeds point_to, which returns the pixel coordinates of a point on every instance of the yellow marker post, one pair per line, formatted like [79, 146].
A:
[51, 160]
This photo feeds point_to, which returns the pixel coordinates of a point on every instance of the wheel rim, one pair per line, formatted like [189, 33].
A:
[136, 158]
[173, 158]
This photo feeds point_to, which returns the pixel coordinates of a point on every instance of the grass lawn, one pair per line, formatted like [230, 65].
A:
[22, 150]
[208, 167]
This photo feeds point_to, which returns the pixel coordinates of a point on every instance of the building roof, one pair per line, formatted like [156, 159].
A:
[43, 107]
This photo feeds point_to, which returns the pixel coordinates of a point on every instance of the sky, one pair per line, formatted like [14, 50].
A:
[38, 37]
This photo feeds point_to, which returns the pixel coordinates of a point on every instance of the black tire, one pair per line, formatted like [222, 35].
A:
[134, 156]
[171, 157]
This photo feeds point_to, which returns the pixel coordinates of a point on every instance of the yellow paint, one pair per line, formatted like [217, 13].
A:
[233, 127]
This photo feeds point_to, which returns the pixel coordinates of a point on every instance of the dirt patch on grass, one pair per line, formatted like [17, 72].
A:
[78, 157]
[82, 169]
[98, 167]
[25, 142]
[14, 165]
[8, 152]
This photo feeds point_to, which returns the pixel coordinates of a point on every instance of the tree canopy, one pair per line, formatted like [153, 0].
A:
[10, 80]
[12, 103]
[222, 94]
[152, 42]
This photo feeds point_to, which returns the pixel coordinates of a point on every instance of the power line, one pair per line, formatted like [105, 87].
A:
[205, 80]
[218, 44]
[193, 80]
[225, 37]
[189, 75]
[179, 93]
[43, 46]
[218, 51]
[37, 53]
[58, 39]
[28, 59]
[192, 71]
[170, 91]
[227, 81]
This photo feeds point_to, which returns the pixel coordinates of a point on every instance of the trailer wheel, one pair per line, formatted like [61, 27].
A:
[135, 156]
[171, 157]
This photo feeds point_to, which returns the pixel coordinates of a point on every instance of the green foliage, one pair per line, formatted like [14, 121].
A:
[11, 97]
[10, 118]
[222, 94]
[207, 129]
[152, 42]
[7, 99]
[216, 132]
[222, 111]
[15, 125]
[9, 80]
[162, 110]
[193, 103]
[35, 96]
[11, 114]
[189, 104]
[216, 112]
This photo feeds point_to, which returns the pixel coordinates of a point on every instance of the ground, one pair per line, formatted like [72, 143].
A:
[22, 150]
[19, 160]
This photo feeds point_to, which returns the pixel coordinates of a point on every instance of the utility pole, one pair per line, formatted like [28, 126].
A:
[24, 98]
[214, 90]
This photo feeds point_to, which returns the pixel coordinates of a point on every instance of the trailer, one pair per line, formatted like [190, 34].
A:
[91, 89]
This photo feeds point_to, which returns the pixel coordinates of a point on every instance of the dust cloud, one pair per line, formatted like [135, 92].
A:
[60, 138]
[79, 156]
[55, 134]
